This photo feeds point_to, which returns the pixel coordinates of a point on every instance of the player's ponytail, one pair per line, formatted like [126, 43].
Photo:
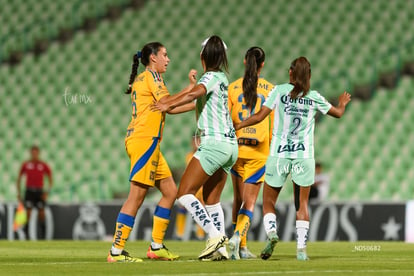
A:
[301, 73]
[254, 57]
[134, 71]
[144, 55]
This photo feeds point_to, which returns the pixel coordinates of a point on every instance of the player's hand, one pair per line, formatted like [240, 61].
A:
[45, 196]
[236, 126]
[158, 106]
[192, 76]
[344, 99]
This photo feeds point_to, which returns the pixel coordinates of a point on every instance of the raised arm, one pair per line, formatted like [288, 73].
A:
[338, 111]
[192, 77]
[254, 119]
[171, 103]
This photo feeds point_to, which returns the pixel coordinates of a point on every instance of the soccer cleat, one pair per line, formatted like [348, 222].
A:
[272, 239]
[234, 245]
[212, 245]
[218, 255]
[301, 255]
[124, 257]
[162, 254]
[246, 254]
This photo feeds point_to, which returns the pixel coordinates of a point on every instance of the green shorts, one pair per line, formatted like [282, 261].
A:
[277, 170]
[214, 155]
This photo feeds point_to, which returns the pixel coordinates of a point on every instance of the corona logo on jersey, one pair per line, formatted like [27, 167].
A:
[286, 100]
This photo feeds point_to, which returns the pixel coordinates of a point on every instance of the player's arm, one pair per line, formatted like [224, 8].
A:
[182, 109]
[254, 119]
[171, 98]
[338, 111]
[197, 91]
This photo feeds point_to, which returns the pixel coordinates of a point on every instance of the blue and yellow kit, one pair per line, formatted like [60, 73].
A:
[254, 141]
[144, 132]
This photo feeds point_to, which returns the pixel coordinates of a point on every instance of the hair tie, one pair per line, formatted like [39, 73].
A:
[139, 54]
[204, 43]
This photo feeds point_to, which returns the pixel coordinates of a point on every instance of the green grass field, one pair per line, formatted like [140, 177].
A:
[89, 258]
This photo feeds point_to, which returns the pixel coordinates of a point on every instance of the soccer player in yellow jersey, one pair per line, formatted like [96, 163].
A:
[148, 166]
[246, 97]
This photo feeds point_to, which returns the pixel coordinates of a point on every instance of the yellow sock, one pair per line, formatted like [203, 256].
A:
[180, 220]
[121, 235]
[243, 241]
[160, 224]
[159, 228]
[242, 226]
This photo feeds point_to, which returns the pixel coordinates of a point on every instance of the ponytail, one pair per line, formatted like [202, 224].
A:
[254, 57]
[301, 73]
[144, 56]
[134, 71]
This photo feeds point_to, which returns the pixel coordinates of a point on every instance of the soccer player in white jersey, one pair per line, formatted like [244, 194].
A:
[291, 149]
[218, 149]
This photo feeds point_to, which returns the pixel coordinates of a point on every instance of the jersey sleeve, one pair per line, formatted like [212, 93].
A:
[22, 169]
[322, 104]
[48, 171]
[157, 88]
[207, 80]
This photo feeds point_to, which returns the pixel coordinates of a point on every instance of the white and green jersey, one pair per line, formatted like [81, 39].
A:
[214, 121]
[294, 121]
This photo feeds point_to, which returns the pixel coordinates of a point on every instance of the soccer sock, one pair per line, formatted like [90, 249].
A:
[243, 224]
[269, 222]
[180, 220]
[199, 214]
[302, 228]
[200, 232]
[123, 228]
[217, 215]
[161, 219]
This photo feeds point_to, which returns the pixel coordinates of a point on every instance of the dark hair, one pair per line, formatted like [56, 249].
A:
[144, 55]
[301, 73]
[34, 147]
[214, 54]
[254, 57]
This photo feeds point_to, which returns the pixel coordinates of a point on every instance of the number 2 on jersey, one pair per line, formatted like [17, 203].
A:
[296, 121]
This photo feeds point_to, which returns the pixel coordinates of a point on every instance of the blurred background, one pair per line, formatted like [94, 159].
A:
[65, 65]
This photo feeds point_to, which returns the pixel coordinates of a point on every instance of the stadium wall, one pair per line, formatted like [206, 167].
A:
[352, 221]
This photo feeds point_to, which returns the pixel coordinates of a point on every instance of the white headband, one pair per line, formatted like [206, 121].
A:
[204, 43]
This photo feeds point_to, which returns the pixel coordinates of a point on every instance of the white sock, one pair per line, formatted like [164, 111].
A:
[115, 251]
[199, 214]
[269, 222]
[155, 245]
[302, 228]
[217, 215]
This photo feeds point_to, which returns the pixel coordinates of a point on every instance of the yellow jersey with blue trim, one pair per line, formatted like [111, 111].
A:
[148, 87]
[254, 141]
